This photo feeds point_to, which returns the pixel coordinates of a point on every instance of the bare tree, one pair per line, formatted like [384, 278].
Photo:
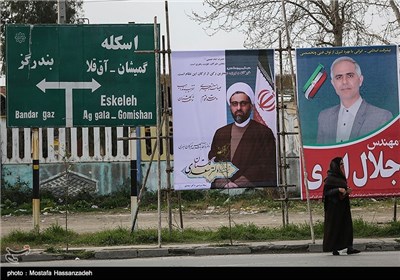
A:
[387, 15]
[310, 23]
[396, 11]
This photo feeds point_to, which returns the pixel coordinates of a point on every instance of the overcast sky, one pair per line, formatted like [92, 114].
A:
[185, 34]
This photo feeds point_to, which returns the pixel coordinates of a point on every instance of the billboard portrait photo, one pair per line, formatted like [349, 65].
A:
[349, 107]
[224, 114]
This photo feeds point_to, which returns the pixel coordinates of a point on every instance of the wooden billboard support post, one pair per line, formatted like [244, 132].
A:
[303, 164]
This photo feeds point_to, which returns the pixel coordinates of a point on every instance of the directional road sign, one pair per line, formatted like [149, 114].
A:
[81, 75]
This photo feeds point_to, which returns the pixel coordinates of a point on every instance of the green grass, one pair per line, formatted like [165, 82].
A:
[17, 201]
[56, 237]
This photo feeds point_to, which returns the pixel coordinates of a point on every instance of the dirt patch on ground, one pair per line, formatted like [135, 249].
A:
[205, 219]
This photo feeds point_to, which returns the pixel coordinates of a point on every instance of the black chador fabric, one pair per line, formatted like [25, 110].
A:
[338, 225]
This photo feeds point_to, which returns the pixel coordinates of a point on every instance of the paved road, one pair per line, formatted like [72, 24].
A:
[364, 259]
[188, 266]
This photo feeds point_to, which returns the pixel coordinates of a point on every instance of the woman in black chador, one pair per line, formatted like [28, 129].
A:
[338, 224]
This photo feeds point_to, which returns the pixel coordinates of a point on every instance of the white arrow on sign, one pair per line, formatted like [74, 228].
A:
[43, 85]
[68, 86]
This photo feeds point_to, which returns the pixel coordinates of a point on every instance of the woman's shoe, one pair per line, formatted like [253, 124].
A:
[351, 251]
[335, 253]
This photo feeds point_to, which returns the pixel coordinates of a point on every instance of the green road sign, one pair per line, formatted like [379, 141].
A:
[81, 75]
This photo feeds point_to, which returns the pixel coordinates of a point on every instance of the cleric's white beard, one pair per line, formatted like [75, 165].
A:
[243, 124]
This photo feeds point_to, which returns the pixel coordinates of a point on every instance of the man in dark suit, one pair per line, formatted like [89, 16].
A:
[353, 117]
[246, 143]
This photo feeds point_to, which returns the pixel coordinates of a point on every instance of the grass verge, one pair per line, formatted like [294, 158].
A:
[56, 238]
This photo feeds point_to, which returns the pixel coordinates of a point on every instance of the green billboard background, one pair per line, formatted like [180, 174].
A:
[81, 75]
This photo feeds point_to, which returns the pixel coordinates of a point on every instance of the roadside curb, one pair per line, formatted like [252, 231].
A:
[127, 252]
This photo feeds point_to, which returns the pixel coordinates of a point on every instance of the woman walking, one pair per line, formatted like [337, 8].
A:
[338, 224]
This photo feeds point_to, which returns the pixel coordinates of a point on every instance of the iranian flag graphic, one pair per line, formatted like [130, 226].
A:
[315, 82]
[265, 99]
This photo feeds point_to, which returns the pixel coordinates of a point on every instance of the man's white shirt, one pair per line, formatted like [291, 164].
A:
[345, 120]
